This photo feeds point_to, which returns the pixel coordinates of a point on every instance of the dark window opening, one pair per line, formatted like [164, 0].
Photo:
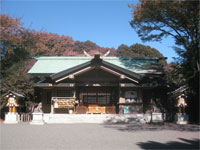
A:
[64, 93]
[97, 98]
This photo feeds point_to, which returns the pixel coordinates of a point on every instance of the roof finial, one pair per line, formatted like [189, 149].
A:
[88, 55]
[107, 53]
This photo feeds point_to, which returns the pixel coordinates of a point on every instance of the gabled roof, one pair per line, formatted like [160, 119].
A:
[97, 62]
[179, 91]
[140, 65]
[122, 70]
[50, 64]
[14, 93]
[69, 71]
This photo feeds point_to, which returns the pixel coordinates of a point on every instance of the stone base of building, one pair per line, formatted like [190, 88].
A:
[37, 119]
[100, 118]
[11, 118]
[181, 118]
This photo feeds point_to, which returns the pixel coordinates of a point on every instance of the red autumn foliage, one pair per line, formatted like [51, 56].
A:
[50, 44]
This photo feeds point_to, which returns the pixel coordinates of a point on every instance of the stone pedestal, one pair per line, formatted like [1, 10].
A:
[37, 119]
[157, 117]
[70, 111]
[181, 118]
[11, 118]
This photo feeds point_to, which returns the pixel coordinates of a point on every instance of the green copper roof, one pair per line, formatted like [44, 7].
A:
[52, 64]
[56, 64]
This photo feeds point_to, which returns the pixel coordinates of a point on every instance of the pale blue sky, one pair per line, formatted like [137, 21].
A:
[104, 22]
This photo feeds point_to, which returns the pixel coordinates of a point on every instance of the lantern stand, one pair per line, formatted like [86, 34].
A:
[12, 117]
[181, 117]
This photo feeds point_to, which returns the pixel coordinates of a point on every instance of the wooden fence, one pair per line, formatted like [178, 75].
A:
[25, 117]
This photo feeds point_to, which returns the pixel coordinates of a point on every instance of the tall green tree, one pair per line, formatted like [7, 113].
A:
[179, 19]
[139, 50]
[15, 44]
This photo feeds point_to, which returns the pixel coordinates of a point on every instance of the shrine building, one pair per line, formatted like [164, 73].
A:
[93, 85]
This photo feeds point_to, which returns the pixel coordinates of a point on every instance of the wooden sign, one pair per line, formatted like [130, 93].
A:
[64, 103]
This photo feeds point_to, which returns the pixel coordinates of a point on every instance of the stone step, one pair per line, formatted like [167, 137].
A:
[87, 118]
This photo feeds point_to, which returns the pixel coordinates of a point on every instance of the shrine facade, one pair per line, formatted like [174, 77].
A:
[93, 85]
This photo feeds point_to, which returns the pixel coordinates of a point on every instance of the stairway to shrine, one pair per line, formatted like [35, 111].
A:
[91, 118]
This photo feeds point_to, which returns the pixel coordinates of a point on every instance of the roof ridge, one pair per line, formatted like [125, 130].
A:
[61, 57]
[88, 57]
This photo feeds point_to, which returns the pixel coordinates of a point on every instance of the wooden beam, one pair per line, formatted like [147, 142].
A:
[62, 79]
[95, 84]
[83, 70]
[122, 76]
[127, 85]
[111, 71]
[71, 76]
[131, 79]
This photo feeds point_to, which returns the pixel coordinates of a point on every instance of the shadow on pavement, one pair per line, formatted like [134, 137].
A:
[136, 127]
[186, 144]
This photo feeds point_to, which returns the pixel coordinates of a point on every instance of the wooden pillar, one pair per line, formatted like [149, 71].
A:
[52, 107]
[140, 95]
[118, 97]
[119, 93]
[74, 95]
[77, 95]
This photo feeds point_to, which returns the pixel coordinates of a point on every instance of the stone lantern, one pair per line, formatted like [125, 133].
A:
[181, 117]
[13, 102]
[179, 95]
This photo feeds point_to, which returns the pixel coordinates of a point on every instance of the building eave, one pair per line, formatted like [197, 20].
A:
[96, 62]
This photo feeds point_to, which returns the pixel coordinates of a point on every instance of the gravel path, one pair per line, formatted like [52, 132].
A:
[99, 136]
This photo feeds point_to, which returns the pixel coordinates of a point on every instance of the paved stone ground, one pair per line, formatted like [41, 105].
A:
[99, 136]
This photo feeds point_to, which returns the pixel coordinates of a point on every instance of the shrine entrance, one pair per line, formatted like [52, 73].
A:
[94, 87]
[98, 100]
